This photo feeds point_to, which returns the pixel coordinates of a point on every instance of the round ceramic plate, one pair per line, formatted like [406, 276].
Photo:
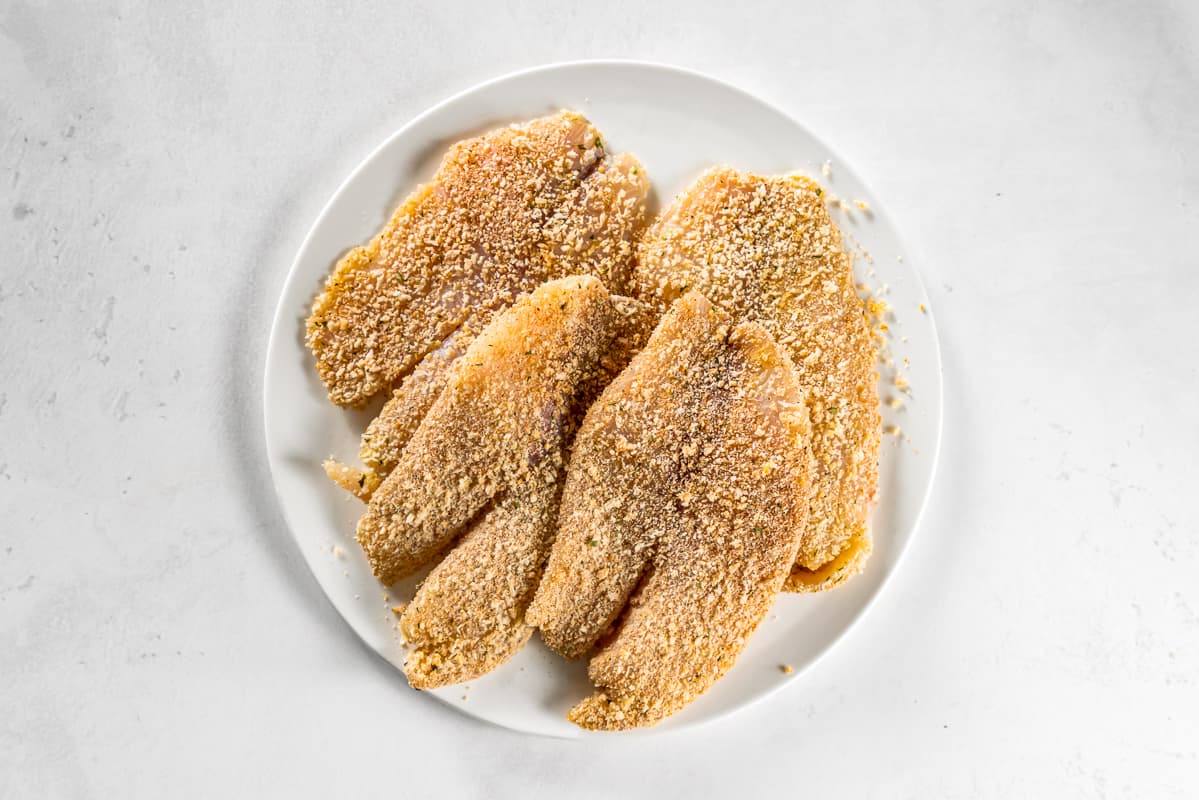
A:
[677, 123]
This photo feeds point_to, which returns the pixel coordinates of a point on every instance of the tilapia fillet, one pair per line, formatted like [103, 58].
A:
[505, 212]
[765, 249]
[486, 464]
[683, 508]
[385, 437]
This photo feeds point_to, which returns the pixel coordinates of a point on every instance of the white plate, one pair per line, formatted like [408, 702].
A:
[677, 123]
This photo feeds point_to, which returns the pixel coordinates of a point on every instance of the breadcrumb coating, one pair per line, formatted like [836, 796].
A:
[499, 424]
[505, 212]
[487, 462]
[687, 492]
[385, 438]
[765, 249]
[387, 435]
[468, 615]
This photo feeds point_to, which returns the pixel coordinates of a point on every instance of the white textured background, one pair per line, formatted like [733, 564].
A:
[159, 165]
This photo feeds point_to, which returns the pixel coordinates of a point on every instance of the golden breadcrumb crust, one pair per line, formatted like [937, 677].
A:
[765, 249]
[487, 463]
[684, 505]
[505, 212]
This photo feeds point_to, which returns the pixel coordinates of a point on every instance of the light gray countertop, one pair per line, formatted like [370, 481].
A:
[159, 165]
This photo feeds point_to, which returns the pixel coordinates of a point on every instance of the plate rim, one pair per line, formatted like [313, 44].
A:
[843, 165]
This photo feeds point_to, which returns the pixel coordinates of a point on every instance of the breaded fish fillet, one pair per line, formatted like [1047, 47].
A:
[505, 212]
[495, 442]
[385, 437]
[689, 479]
[384, 440]
[498, 425]
[765, 249]
[467, 618]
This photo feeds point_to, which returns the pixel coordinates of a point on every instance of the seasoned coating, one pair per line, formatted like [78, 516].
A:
[608, 496]
[387, 435]
[765, 249]
[385, 438]
[689, 479]
[505, 212]
[498, 425]
[468, 615]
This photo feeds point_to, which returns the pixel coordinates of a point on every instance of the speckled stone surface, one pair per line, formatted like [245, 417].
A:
[159, 165]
